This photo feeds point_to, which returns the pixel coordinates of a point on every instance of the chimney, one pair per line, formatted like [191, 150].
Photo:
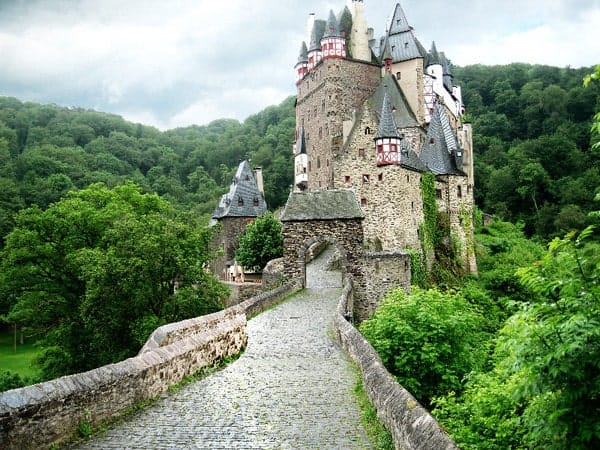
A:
[259, 180]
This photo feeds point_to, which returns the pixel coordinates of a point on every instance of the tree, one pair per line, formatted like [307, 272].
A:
[96, 272]
[261, 242]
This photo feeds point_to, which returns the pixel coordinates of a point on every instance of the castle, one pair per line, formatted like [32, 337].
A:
[373, 116]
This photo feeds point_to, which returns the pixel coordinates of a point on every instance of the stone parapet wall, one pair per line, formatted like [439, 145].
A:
[411, 425]
[49, 413]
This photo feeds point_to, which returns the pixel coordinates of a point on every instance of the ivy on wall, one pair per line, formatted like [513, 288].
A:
[428, 229]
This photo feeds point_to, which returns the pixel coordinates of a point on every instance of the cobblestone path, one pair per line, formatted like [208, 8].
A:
[291, 389]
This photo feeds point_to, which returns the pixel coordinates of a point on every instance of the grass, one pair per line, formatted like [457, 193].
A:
[19, 362]
[379, 436]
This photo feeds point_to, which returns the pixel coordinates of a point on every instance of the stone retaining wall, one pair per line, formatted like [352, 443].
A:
[47, 413]
[411, 426]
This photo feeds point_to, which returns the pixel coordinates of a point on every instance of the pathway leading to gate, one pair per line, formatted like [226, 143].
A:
[291, 389]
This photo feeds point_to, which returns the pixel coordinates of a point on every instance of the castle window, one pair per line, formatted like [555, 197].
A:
[318, 162]
[255, 201]
[459, 191]
[406, 45]
[398, 75]
[408, 178]
[380, 177]
[309, 166]
[367, 130]
[431, 140]
[393, 47]
[366, 178]
[361, 152]
[323, 105]
[320, 132]
[347, 179]
[240, 201]
[438, 194]
[363, 202]
[412, 205]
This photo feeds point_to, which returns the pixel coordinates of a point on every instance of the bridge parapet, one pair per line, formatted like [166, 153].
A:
[411, 425]
[50, 413]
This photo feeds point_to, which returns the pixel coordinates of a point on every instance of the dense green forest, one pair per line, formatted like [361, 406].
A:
[531, 135]
[47, 150]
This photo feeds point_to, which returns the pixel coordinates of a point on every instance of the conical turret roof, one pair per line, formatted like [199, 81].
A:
[387, 124]
[303, 56]
[332, 29]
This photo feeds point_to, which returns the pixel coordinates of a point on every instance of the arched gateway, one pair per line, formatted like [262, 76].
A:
[335, 217]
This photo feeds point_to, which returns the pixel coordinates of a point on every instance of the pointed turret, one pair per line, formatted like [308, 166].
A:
[387, 57]
[399, 22]
[301, 163]
[302, 64]
[447, 71]
[433, 57]
[314, 49]
[404, 45]
[333, 45]
[388, 139]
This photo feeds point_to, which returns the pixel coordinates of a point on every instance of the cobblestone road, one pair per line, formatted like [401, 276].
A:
[291, 389]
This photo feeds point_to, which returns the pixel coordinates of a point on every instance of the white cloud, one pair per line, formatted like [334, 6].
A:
[192, 61]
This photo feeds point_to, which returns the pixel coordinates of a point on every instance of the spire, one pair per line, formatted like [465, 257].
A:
[332, 29]
[387, 124]
[433, 55]
[399, 23]
[303, 56]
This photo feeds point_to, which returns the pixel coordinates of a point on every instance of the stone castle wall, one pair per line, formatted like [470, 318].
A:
[389, 195]
[327, 97]
[49, 413]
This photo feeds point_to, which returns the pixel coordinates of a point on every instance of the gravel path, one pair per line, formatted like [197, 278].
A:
[291, 389]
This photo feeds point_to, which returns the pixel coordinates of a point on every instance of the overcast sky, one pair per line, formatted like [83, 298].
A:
[181, 62]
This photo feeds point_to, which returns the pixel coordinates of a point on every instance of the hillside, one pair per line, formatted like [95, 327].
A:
[531, 124]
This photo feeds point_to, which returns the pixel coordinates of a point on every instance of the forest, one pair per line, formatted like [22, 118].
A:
[508, 359]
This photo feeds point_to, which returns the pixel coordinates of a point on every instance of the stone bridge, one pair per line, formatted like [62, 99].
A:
[291, 389]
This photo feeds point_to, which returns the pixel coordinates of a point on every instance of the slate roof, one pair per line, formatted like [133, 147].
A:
[322, 205]
[387, 125]
[317, 34]
[332, 28]
[441, 151]
[404, 116]
[243, 187]
[303, 56]
[401, 39]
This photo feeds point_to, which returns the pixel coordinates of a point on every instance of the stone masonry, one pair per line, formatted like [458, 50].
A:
[291, 389]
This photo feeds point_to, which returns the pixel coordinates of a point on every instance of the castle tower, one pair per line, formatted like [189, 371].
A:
[407, 61]
[359, 38]
[302, 64]
[300, 164]
[387, 139]
[314, 49]
[333, 45]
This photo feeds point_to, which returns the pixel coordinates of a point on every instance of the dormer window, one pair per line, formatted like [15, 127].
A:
[255, 201]
[240, 201]
[431, 140]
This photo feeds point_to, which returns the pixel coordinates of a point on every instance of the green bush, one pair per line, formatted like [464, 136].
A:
[429, 340]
